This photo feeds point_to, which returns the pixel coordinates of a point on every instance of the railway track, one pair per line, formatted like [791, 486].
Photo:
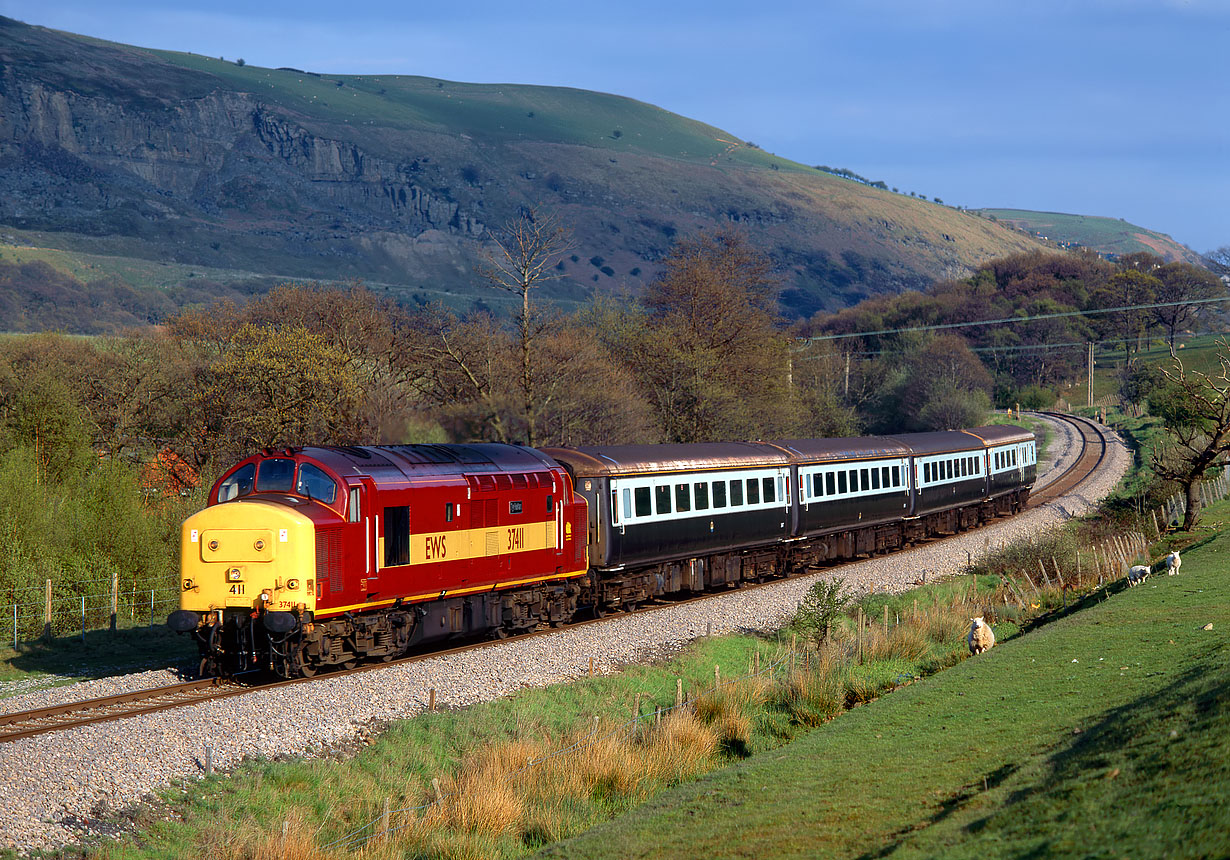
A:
[1093, 453]
[24, 724]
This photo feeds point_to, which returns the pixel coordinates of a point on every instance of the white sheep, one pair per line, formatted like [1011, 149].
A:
[1173, 563]
[981, 636]
[1138, 574]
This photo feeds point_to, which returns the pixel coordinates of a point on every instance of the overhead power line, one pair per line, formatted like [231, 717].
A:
[1033, 318]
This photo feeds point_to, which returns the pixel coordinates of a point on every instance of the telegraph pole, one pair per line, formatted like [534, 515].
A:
[1090, 398]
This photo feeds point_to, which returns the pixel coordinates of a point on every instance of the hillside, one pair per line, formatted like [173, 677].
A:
[146, 155]
[1109, 236]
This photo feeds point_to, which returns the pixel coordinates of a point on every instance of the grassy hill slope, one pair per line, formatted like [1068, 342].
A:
[1099, 735]
[126, 152]
[1110, 236]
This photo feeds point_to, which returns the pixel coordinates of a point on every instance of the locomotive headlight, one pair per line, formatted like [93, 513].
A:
[188, 585]
[213, 545]
[234, 574]
[292, 584]
[260, 545]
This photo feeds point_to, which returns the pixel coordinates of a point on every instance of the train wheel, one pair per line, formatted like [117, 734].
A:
[308, 671]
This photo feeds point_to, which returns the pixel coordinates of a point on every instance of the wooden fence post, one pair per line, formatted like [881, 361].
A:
[47, 614]
[115, 596]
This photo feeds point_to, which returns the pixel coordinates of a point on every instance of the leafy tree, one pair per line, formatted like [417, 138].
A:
[1127, 288]
[1179, 283]
[706, 350]
[1196, 409]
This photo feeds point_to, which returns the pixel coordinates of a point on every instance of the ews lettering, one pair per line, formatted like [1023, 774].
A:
[516, 539]
[436, 547]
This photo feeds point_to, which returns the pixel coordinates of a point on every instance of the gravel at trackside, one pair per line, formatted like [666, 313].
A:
[55, 788]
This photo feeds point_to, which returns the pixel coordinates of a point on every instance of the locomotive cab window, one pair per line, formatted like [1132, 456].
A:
[238, 484]
[315, 484]
[276, 476]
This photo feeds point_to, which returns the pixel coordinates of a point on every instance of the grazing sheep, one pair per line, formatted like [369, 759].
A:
[1173, 562]
[1138, 574]
[981, 636]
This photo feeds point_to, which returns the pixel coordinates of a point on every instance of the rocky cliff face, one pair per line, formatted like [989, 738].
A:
[68, 158]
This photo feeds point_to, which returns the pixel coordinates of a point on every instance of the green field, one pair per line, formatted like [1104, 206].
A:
[1104, 235]
[1104, 734]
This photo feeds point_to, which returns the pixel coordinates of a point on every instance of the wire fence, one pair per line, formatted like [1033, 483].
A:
[62, 610]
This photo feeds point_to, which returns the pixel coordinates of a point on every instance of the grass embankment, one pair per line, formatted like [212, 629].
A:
[1101, 734]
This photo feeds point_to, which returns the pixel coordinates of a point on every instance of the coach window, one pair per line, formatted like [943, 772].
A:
[830, 484]
[753, 492]
[683, 498]
[864, 481]
[951, 469]
[817, 489]
[276, 476]
[701, 490]
[238, 484]
[719, 494]
[896, 476]
[627, 503]
[841, 482]
[615, 507]
[767, 483]
[736, 493]
[875, 479]
[642, 501]
[926, 473]
[396, 535]
[662, 499]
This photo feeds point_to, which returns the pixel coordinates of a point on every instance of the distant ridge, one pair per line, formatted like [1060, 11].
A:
[1112, 237]
[135, 155]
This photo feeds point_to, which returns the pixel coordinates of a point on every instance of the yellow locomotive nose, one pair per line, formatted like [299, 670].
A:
[244, 555]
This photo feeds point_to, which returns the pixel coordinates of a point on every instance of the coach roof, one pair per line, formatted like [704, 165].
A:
[605, 460]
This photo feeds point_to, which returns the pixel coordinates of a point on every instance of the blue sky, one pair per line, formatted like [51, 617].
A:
[1101, 107]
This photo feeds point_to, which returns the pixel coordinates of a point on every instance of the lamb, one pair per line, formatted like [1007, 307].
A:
[981, 636]
[1138, 574]
[1173, 562]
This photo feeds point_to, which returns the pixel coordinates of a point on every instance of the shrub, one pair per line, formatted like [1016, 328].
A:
[823, 602]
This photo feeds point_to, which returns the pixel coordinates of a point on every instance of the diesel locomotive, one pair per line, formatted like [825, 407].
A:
[310, 558]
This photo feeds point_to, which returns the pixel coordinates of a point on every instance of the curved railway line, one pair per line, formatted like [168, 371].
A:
[24, 724]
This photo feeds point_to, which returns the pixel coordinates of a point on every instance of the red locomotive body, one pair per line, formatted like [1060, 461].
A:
[383, 548]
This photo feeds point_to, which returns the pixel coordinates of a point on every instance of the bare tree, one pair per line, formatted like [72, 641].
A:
[1196, 409]
[527, 252]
